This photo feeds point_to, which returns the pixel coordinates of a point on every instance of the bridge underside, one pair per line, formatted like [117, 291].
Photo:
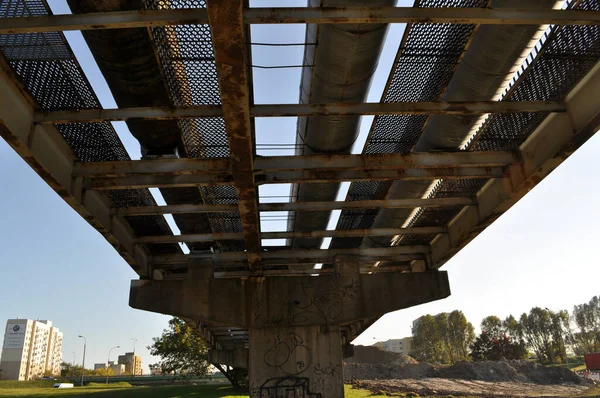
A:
[480, 106]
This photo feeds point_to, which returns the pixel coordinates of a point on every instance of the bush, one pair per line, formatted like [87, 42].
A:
[117, 384]
[26, 383]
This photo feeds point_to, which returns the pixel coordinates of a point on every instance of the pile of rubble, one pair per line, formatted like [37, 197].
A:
[518, 371]
[372, 363]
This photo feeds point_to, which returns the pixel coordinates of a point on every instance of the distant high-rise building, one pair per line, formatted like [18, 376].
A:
[117, 369]
[132, 362]
[31, 348]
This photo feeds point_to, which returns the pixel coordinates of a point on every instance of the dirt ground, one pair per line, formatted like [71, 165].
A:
[459, 387]
[402, 374]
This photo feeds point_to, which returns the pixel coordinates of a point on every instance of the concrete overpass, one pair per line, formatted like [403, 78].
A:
[483, 101]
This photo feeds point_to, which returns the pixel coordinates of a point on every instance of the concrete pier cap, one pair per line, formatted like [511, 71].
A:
[294, 323]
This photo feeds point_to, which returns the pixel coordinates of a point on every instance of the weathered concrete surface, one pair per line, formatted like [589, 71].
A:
[236, 357]
[306, 360]
[214, 301]
[295, 342]
[289, 301]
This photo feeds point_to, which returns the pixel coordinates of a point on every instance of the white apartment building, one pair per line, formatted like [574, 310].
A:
[30, 349]
[396, 345]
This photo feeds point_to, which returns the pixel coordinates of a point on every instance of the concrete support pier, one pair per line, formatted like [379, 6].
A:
[303, 361]
[294, 324]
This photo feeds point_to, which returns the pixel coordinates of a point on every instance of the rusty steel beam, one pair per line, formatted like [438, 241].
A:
[310, 271]
[278, 110]
[172, 209]
[136, 181]
[157, 181]
[367, 204]
[384, 161]
[314, 15]
[227, 31]
[154, 167]
[189, 238]
[174, 173]
[408, 174]
[272, 164]
[103, 20]
[365, 15]
[192, 238]
[353, 233]
[297, 255]
[180, 261]
[296, 206]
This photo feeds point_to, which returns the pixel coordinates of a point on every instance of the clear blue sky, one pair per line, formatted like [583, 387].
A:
[55, 266]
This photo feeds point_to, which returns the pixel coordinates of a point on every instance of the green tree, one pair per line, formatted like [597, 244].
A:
[428, 344]
[587, 319]
[487, 347]
[513, 328]
[181, 349]
[561, 333]
[493, 326]
[546, 332]
[103, 372]
[442, 338]
[459, 336]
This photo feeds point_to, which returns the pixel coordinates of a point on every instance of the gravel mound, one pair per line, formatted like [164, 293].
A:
[375, 355]
[399, 366]
[516, 371]
[380, 371]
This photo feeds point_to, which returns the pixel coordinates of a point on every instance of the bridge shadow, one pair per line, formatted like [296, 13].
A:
[212, 391]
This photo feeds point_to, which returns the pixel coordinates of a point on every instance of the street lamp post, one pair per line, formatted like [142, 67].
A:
[73, 365]
[83, 362]
[133, 369]
[108, 361]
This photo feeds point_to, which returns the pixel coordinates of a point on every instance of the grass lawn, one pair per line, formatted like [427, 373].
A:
[208, 391]
[38, 390]
[579, 367]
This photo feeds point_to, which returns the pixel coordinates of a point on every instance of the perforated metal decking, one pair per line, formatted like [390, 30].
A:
[567, 55]
[424, 65]
[49, 71]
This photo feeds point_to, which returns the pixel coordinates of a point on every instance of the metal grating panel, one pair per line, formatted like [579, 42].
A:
[568, 54]
[187, 59]
[49, 71]
[428, 58]
[186, 55]
[93, 142]
[458, 188]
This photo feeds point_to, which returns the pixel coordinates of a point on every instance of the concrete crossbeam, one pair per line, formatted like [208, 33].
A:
[262, 301]
[313, 15]
[279, 110]
[293, 324]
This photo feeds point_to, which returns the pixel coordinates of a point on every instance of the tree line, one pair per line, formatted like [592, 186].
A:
[549, 335]
[69, 370]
